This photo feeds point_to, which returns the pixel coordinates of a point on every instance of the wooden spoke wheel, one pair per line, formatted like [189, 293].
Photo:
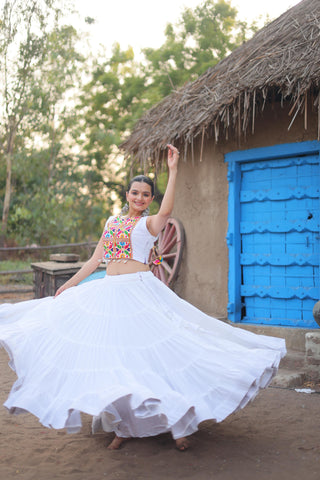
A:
[165, 257]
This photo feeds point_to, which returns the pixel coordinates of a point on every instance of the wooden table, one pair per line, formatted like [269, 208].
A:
[49, 276]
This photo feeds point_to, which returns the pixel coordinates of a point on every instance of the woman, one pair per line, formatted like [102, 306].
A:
[125, 349]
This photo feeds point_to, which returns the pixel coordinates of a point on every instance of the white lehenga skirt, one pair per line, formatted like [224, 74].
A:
[128, 351]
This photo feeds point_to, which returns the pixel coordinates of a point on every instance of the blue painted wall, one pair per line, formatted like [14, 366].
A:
[273, 235]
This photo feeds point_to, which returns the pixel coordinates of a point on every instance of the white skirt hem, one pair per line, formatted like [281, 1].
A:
[128, 351]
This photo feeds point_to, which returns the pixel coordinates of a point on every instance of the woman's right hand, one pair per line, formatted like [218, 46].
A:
[61, 289]
[173, 157]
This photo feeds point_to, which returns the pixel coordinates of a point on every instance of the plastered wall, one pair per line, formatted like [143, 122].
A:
[202, 205]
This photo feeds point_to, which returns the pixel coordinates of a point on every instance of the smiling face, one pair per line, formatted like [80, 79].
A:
[139, 197]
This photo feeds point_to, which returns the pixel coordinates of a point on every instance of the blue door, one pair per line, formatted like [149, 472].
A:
[273, 237]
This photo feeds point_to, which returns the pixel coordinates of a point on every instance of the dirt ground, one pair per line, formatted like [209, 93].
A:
[277, 437]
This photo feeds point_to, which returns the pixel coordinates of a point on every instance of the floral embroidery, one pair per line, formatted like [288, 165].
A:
[117, 236]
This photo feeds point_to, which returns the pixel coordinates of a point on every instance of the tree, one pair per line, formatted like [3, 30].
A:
[122, 89]
[40, 68]
[27, 30]
[60, 164]
[202, 37]
[52, 198]
[110, 105]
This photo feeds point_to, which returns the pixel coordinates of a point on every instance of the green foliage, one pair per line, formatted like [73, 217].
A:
[110, 103]
[201, 38]
[62, 210]
[54, 196]
[122, 89]
[67, 170]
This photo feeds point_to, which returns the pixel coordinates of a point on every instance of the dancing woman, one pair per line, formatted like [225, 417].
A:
[126, 349]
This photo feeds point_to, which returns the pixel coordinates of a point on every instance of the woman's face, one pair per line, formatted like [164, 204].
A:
[139, 196]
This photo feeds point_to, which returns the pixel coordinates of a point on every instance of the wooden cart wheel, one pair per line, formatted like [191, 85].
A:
[165, 257]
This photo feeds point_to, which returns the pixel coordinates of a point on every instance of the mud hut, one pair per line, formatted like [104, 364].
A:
[248, 189]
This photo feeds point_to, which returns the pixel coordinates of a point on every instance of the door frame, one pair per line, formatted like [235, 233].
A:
[233, 238]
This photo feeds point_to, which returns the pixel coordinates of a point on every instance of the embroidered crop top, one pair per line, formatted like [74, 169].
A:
[127, 237]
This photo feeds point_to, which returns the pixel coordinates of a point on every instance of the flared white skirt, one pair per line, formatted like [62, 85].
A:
[128, 351]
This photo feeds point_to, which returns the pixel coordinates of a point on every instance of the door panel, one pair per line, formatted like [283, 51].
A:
[279, 228]
[273, 236]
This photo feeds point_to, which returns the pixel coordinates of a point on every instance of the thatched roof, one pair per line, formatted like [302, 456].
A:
[281, 62]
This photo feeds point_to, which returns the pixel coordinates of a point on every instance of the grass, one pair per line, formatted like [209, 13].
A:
[21, 278]
[24, 263]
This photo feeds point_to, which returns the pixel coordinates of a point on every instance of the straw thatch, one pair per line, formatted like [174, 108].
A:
[280, 63]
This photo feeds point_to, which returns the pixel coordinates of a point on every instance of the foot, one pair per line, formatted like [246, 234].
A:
[116, 443]
[182, 444]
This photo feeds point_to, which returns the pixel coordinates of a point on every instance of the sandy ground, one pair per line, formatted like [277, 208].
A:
[275, 437]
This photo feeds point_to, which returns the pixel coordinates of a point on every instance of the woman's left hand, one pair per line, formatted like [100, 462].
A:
[173, 156]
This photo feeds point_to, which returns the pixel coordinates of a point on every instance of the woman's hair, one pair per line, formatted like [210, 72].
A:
[142, 179]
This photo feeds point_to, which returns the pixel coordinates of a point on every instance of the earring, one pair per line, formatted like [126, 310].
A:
[146, 212]
[125, 209]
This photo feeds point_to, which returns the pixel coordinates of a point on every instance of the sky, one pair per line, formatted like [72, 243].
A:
[141, 23]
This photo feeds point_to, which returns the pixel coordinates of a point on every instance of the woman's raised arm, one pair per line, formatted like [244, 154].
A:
[156, 222]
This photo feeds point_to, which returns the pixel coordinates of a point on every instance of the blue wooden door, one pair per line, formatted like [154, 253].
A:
[276, 228]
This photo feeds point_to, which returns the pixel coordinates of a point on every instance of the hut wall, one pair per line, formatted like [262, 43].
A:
[201, 203]
[202, 206]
